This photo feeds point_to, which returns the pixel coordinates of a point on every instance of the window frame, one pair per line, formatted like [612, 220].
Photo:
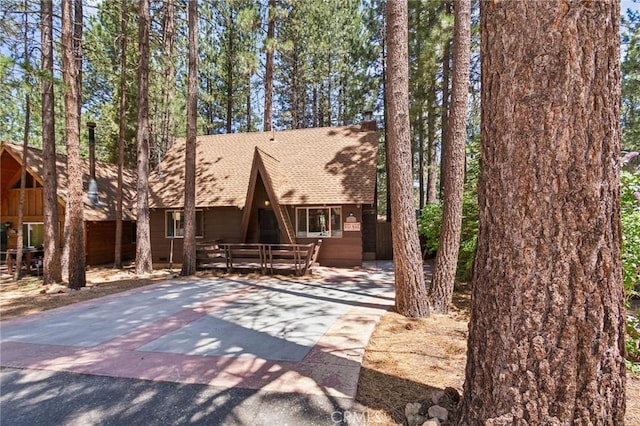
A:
[330, 232]
[170, 213]
[28, 232]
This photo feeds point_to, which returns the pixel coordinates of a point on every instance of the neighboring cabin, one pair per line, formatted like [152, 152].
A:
[99, 219]
[294, 186]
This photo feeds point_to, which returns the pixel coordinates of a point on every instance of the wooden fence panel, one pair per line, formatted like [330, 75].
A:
[384, 244]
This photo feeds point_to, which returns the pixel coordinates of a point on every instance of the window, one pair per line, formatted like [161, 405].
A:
[32, 234]
[174, 224]
[319, 222]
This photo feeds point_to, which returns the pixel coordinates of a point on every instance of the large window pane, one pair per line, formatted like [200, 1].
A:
[199, 223]
[170, 225]
[336, 222]
[318, 222]
[32, 234]
[302, 223]
[174, 222]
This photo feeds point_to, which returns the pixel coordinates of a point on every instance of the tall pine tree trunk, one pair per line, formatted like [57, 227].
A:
[546, 334]
[25, 141]
[189, 243]
[122, 128]
[230, 58]
[52, 269]
[444, 273]
[75, 204]
[420, 148]
[432, 148]
[168, 36]
[411, 295]
[268, 78]
[143, 239]
[77, 51]
[446, 61]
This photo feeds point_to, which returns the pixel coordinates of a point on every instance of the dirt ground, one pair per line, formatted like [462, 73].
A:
[405, 361]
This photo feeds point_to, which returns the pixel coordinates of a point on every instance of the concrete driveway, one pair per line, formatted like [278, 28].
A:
[295, 336]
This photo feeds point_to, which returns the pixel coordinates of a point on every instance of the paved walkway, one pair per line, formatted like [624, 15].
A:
[236, 336]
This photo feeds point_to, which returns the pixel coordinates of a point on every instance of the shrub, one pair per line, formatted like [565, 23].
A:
[429, 229]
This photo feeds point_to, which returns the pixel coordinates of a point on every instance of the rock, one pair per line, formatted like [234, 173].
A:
[436, 397]
[432, 422]
[411, 413]
[57, 288]
[438, 412]
[424, 408]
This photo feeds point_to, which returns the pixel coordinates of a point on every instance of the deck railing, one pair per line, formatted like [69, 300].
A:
[268, 258]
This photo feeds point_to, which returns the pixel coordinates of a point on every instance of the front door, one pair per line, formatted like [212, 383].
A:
[269, 230]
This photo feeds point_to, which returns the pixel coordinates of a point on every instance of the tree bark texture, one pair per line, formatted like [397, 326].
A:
[143, 238]
[189, 243]
[420, 148]
[75, 204]
[51, 269]
[25, 141]
[169, 74]
[230, 59]
[122, 128]
[77, 51]
[546, 334]
[411, 295]
[17, 273]
[446, 60]
[444, 273]
[432, 160]
[268, 78]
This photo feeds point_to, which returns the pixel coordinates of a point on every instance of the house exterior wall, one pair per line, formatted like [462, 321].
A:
[224, 223]
[100, 242]
[338, 251]
[220, 223]
[33, 211]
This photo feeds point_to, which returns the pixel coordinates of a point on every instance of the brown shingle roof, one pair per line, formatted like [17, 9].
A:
[325, 165]
[106, 177]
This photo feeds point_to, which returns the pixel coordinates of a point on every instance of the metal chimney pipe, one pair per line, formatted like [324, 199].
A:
[92, 150]
[92, 192]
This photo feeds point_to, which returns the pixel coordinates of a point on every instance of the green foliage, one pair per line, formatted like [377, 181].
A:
[632, 343]
[630, 112]
[630, 218]
[429, 229]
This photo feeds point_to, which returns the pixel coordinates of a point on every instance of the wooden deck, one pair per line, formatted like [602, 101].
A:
[266, 258]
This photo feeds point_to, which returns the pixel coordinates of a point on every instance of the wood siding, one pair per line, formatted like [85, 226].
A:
[224, 223]
[338, 251]
[384, 242]
[221, 223]
[100, 242]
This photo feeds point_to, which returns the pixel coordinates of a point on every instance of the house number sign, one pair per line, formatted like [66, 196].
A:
[352, 226]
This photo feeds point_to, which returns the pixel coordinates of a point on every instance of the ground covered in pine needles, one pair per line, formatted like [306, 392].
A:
[406, 359]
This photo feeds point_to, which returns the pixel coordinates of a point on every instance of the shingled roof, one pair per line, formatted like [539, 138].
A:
[106, 177]
[324, 165]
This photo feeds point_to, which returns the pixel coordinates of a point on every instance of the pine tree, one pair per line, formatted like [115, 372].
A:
[189, 242]
[143, 238]
[74, 239]
[546, 334]
[411, 296]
